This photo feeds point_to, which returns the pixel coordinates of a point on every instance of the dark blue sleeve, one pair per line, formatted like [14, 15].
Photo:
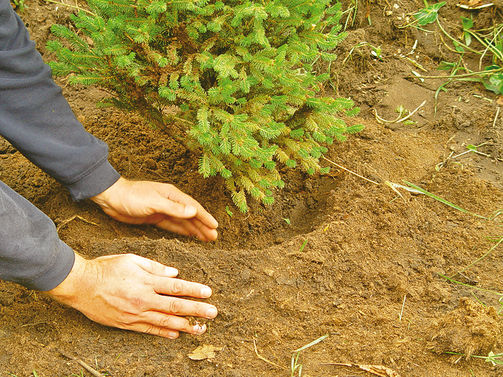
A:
[37, 120]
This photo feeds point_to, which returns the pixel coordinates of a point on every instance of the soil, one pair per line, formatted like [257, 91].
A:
[355, 260]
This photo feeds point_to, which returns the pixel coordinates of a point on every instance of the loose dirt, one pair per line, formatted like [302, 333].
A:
[355, 260]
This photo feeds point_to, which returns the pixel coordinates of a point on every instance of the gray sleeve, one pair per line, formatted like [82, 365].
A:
[37, 120]
[31, 252]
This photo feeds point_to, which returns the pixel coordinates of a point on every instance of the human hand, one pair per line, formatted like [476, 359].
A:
[134, 293]
[160, 204]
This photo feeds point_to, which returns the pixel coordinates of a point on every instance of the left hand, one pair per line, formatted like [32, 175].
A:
[134, 293]
[160, 204]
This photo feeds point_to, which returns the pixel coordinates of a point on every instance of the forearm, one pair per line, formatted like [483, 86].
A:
[37, 120]
[31, 252]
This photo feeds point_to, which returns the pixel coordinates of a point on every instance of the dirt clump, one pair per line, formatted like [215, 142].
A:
[470, 329]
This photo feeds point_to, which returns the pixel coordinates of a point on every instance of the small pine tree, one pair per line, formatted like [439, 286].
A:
[234, 80]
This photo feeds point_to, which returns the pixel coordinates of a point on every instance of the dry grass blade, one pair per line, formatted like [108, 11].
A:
[71, 6]
[264, 359]
[377, 370]
[444, 201]
[480, 258]
[399, 119]
[296, 367]
[350, 171]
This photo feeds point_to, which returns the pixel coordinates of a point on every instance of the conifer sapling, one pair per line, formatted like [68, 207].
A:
[233, 80]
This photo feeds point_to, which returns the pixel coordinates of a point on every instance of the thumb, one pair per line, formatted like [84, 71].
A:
[155, 268]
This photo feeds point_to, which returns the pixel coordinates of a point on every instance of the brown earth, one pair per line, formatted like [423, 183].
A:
[357, 261]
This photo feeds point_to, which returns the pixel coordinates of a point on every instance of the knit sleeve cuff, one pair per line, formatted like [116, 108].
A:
[56, 273]
[94, 182]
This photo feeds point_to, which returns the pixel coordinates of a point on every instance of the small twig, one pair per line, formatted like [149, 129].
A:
[403, 306]
[414, 62]
[263, 358]
[474, 151]
[90, 369]
[496, 116]
[65, 222]
[443, 201]
[350, 171]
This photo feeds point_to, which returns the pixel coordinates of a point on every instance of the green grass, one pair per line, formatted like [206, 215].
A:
[486, 43]
[444, 201]
[494, 358]
[296, 366]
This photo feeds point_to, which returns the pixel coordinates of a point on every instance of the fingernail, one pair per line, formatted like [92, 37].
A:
[211, 312]
[190, 211]
[215, 222]
[213, 234]
[170, 271]
[172, 335]
[199, 329]
[206, 292]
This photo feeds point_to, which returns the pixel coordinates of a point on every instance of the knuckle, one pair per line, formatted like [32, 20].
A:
[177, 288]
[126, 320]
[166, 322]
[137, 302]
[153, 330]
[175, 306]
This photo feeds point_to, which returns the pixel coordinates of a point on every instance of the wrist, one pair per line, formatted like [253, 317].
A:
[69, 289]
[103, 198]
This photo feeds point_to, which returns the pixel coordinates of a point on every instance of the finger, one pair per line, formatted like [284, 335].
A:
[174, 226]
[154, 267]
[179, 287]
[182, 307]
[183, 226]
[175, 194]
[210, 234]
[171, 322]
[154, 330]
[191, 225]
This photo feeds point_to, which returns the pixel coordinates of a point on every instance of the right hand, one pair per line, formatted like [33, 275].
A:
[134, 293]
[159, 204]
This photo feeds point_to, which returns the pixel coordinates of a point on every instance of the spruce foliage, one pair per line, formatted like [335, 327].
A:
[233, 79]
